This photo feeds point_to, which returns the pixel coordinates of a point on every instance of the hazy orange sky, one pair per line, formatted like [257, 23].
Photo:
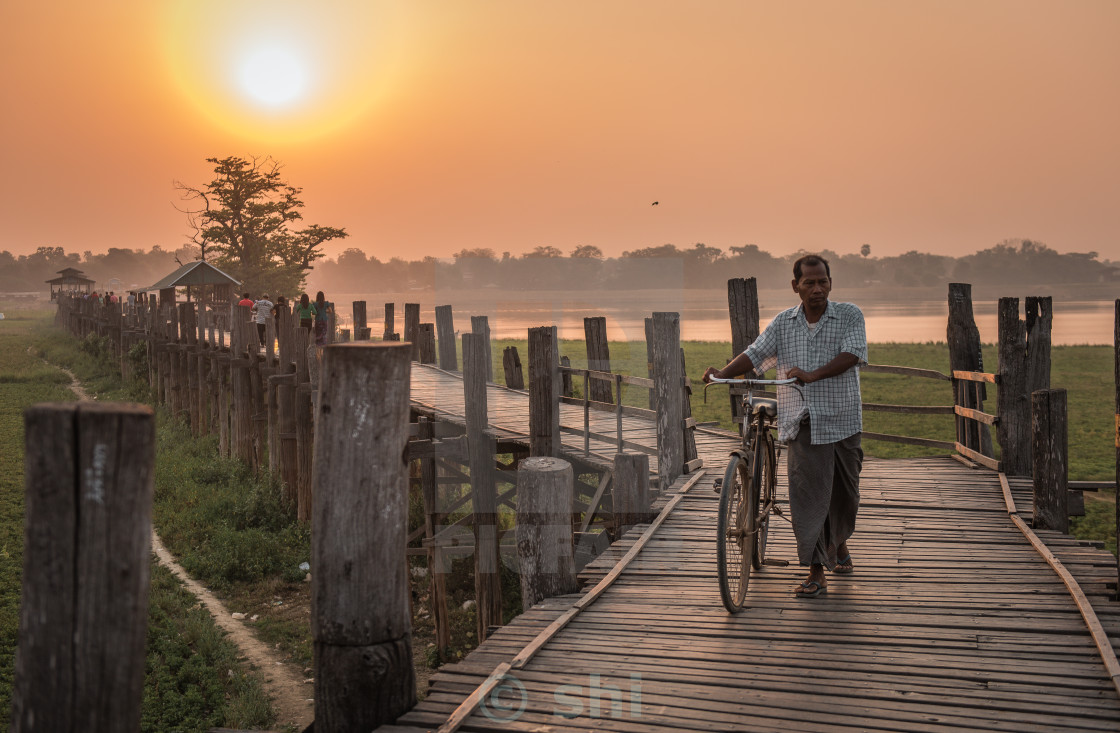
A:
[425, 127]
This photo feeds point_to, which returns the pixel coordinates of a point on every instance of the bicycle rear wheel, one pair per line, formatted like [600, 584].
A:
[763, 484]
[735, 544]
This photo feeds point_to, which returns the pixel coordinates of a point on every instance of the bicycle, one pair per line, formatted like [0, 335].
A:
[748, 494]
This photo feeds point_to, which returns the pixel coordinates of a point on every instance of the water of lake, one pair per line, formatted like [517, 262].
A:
[704, 314]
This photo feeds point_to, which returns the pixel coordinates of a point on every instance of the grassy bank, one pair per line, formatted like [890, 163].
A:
[193, 679]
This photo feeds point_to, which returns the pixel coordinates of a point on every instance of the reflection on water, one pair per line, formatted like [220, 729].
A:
[704, 314]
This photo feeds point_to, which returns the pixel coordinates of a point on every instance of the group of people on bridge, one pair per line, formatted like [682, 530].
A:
[314, 315]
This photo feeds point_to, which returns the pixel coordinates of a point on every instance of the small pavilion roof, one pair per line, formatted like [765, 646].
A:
[198, 272]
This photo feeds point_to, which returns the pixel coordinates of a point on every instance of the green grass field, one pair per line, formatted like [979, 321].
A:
[193, 678]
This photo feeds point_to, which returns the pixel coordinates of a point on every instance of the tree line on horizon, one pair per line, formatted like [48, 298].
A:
[1024, 262]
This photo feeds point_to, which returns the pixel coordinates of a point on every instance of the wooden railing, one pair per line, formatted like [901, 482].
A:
[617, 408]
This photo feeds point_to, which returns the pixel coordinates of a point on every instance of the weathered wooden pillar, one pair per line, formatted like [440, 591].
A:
[480, 326]
[481, 449]
[360, 624]
[288, 450]
[545, 548]
[285, 339]
[305, 450]
[361, 330]
[84, 605]
[742, 306]
[225, 397]
[1013, 400]
[390, 321]
[344, 335]
[598, 357]
[649, 362]
[544, 393]
[202, 363]
[565, 377]
[630, 489]
[965, 354]
[511, 365]
[1038, 327]
[668, 382]
[1050, 458]
[273, 407]
[445, 333]
[427, 343]
[433, 523]
[412, 328]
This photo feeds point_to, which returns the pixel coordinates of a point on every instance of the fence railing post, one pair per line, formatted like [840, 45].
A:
[544, 393]
[412, 328]
[668, 380]
[545, 550]
[1013, 399]
[511, 365]
[598, 357]
[84, 605]
[480, 326]
[445, 336]
[480, 448]
[1050, 456]
[390, 323]
[361, 331]
[966, 355]
[630, 492]
[742, 306]
[360, 590]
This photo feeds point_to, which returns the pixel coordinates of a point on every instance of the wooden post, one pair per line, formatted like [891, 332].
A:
[412, 328]
[285, 323]
[360, 623]
[742, 306]
[481, 448]
[390, 319]
[545, 550]
[445, 333]
[480, 326]
[427, 343]
[89, 471]
[1039, 324]
[433, 523]
[360, 329]
[286, 438]
[544, 393]
[511, 365]
[966, 355]
[1116, 440]
[649, 362]
[630, 490]
[566, 377]
[1050, 457]
[598, 357]
[668, 381]
[305, 451]
[1013, 399]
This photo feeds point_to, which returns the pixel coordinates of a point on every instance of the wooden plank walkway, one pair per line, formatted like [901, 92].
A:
[951, 621]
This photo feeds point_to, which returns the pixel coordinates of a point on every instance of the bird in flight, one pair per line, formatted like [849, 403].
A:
[655, 203]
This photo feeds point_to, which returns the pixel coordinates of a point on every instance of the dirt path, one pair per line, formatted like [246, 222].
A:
[291, 695]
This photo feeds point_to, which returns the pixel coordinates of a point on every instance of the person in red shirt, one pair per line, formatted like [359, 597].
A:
[246, 300]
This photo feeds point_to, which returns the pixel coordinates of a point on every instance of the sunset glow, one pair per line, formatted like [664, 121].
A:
[427, 128]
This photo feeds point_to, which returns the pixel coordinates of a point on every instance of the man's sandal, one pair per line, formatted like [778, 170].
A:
[843, 567]
[809, 589]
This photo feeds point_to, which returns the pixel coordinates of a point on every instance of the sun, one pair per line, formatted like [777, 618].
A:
[281, 70]
[273, 76]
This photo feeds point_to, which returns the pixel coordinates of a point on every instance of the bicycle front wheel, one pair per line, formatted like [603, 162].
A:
[735, 543]
[763, 485]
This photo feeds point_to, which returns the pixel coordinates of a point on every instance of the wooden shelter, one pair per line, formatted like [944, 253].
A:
[207, 283]
[70, 280]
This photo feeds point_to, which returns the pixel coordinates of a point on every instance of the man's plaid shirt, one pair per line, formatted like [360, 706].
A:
[833, 404]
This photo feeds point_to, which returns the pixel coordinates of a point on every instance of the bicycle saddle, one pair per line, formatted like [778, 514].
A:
[769, 405]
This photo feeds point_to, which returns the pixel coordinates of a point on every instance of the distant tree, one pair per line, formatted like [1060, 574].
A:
[703, 254]
[247, 215]
[545, 250]
[479, 253]
[865, 250]
[665, 250]
[587, 251]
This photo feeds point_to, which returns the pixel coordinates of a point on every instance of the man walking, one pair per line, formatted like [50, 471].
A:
[821, 344]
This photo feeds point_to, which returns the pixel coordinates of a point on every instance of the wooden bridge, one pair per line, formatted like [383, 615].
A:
[952, 619]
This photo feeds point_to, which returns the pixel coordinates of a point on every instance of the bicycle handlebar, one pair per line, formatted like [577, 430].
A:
[792, 381]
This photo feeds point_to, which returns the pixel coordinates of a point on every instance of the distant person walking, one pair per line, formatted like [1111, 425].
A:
[305, 312]
[245, 300]
[262, 309]
[323, 313]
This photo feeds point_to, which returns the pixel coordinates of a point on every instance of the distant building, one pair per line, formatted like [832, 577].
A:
[70, 280]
